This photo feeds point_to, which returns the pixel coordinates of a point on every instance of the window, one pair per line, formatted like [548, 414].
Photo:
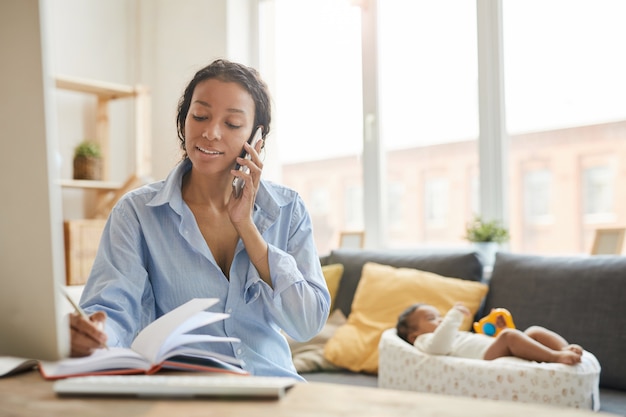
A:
[436, 192]
[429, 114]
[313, 51]
[565, 103]
[537, 197]
[319, 201]
[598, 194]
[353, 203]
[397, 196]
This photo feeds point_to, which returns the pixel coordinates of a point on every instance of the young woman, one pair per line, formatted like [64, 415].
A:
[189, 237]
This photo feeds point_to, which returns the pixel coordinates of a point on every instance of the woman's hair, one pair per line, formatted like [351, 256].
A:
[402, 327]
[228, 71]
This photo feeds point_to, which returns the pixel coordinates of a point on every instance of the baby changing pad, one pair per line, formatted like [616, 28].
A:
[403, 367]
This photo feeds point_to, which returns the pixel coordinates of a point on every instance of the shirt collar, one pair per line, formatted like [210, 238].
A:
[268, 202]
[171, 192]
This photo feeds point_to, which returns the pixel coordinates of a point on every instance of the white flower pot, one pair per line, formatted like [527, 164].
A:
[487, 252]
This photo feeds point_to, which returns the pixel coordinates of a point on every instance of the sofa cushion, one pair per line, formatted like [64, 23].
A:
[462, 264]
[332, 275]
[382, 294]
[309, 356]
[583, 298]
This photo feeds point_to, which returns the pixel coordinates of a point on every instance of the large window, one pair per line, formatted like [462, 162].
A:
[428, 116]
[598, 185]
[316, 89]
[537, 196]
[565, 117]
[566, 107]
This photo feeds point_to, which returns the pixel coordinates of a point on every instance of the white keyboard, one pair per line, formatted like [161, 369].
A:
[175, 386]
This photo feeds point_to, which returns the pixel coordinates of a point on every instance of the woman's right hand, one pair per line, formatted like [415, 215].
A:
[87, 335]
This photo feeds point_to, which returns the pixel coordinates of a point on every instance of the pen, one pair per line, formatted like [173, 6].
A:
[78, 309]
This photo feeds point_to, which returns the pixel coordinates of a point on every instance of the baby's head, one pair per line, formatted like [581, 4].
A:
[416, 320]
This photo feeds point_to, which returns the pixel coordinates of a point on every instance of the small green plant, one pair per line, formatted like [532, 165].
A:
[88, 149]
[479, 230]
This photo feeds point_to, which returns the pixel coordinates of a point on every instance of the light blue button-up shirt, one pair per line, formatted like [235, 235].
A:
[152, 258]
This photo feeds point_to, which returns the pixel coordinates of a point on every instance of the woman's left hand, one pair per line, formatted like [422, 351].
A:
[240, 209]
[240, 212]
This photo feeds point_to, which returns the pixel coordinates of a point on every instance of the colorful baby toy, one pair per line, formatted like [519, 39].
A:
[493, 323]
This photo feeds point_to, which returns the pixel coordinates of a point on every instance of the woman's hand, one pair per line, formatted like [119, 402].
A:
[240, 212]
[87, 335]
[240, 209]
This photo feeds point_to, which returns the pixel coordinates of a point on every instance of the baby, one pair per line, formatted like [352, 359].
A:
[422, 326]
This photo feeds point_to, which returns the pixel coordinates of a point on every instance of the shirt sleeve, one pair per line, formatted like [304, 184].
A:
[440, 342]
[118, 283]
[299, 301]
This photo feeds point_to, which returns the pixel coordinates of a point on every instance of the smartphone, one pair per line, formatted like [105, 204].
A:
[238, 183]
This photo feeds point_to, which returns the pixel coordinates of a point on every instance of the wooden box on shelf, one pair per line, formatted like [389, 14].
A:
[82, 238]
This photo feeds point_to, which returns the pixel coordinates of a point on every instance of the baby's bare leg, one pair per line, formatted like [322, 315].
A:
[512, 342]
[547, 337]
[552, 340]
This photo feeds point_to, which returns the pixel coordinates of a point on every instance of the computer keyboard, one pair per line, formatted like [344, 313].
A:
[175, 386]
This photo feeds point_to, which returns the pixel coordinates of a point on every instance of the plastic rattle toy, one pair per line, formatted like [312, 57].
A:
[493, 323]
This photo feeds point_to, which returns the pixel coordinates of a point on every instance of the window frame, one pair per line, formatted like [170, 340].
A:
[492, 138]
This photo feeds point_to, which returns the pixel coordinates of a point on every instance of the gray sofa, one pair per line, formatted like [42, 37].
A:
[581, 297]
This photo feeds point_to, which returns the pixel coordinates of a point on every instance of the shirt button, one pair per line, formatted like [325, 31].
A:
[238, 351]
[230, 310]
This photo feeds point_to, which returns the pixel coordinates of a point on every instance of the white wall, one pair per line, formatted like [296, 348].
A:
[177, 38]
[158, 43]
[92, 40]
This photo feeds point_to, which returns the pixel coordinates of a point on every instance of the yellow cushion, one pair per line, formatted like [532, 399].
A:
[382, 294]
[332, 274]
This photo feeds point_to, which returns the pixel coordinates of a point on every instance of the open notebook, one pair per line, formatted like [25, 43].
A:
[163, 344]
[10, 365]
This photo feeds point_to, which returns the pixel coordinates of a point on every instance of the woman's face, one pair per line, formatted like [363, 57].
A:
[219, 121]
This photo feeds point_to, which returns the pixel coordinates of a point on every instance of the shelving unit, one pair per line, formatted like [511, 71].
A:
[105, 92]
[82, 236]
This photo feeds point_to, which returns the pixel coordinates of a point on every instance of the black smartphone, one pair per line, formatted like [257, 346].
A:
[238, 183]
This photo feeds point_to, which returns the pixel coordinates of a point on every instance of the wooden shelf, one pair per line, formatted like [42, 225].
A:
[92, 185]
[82, 236]
[108, 191]
[106, 90]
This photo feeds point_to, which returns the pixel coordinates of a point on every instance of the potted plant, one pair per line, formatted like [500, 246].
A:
[88, 161]
[487, 236]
